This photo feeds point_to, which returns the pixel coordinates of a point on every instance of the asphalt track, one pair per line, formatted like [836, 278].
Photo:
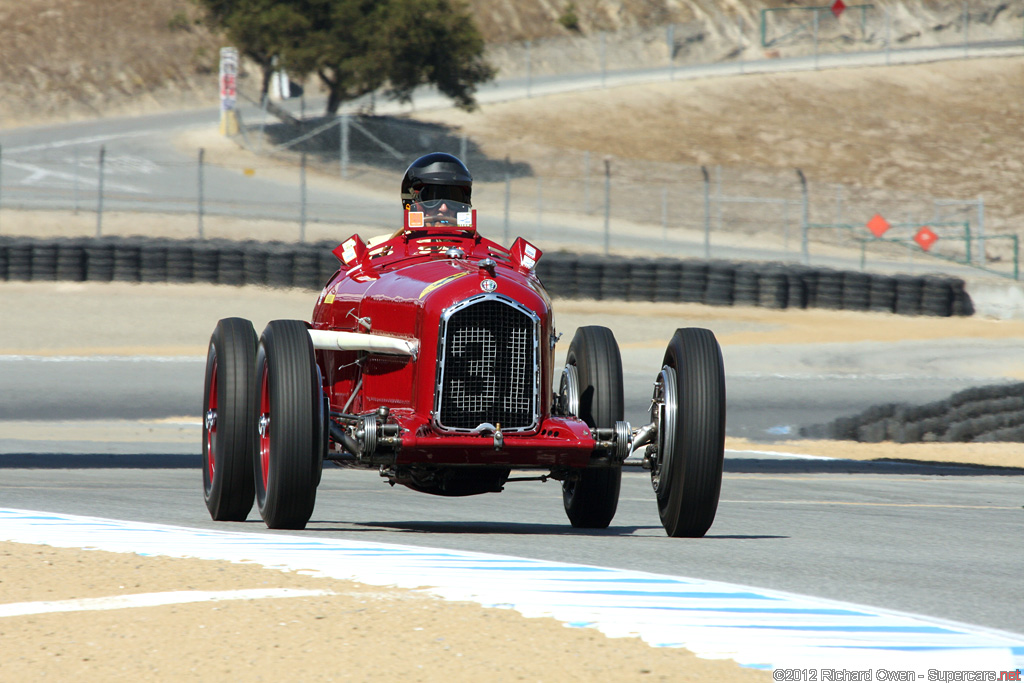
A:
[935, 540]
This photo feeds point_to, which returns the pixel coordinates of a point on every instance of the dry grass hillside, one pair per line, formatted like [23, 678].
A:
[82, 58]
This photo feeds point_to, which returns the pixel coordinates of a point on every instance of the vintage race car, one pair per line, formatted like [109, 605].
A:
[430, 357]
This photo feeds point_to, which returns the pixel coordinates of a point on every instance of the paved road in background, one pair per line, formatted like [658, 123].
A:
[774, 391]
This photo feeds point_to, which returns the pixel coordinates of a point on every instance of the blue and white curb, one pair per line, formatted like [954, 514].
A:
[753, 626]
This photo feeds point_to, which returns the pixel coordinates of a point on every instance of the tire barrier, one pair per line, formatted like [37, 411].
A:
[993, 412]
[856, 291]
[721, 279]
[882, 293]
[668, 278]
[829, 289]
[908, 295]
[745, 290]
[19, 259]
[693, 281]
[281, 264]
[772, 288]
[44, 260]
[71, 260]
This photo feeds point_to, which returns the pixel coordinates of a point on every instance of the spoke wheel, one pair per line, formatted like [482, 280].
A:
[591, 495]
[689, 411]
[228, 413]
[288, 425]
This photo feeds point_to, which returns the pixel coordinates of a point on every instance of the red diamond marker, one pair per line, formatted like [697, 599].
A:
[837, 8]
[926, 238]
[878, 225]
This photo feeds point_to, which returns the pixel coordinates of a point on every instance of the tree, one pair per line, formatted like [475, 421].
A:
[359, 46]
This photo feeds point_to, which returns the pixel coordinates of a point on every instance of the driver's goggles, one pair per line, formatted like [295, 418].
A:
[431, 196]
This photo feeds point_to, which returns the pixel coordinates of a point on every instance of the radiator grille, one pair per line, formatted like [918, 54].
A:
[489, 367]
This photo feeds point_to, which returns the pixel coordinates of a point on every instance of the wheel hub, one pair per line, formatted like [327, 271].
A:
[569, 391]
[663, 414]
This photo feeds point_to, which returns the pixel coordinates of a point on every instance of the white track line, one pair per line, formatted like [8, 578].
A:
[19, 609]
[754, 626]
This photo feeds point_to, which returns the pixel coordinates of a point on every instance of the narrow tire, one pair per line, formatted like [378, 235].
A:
[288, 409]
[688, 477]
[592, 495]
[229, 427]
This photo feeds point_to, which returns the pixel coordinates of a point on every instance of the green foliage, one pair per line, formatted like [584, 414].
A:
[358, 46]
[569, 19]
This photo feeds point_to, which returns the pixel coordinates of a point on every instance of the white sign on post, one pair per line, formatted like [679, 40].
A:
[228, 90]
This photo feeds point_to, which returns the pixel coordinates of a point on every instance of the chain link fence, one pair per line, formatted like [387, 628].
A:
[561, 199]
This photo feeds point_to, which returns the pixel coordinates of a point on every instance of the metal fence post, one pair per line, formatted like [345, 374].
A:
[604, 58]
[670, 40]
[739, 42]
[888, 36]
[302, 202]
[202, 152]
[607, 204]
[981, 231]
[508, 199]
[967, 25]
[78, 166]
[718, 197]
[529, 68]
[664, 213]
[586, 182]
[540, 205]
[707, 212]
[804, 248]
[99, 193]
[1, 174]
[839, 203]
[463, 146]
[815, 38]
[343, 144]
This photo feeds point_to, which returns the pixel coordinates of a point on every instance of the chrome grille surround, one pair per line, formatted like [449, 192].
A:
[488, 369]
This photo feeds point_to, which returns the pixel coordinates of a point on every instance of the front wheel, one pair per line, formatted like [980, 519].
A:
[689, 411]
[591, 495]
[229, 420]
[289, 452]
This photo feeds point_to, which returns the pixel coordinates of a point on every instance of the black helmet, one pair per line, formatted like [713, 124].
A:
[437, 176]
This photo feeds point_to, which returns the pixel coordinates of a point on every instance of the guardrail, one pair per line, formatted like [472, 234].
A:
[573, 276]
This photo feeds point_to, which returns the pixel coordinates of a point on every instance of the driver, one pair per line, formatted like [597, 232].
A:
[440, 186]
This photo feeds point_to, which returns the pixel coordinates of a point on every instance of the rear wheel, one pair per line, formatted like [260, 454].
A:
[290, 452]
[689, 411]
[591, 495]
[229, 431]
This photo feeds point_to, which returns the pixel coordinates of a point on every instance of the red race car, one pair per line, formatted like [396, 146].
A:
[430, 356]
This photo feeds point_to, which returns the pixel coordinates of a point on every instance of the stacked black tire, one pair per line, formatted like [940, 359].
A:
[138, 259]
[980, 414]
[309, 266]
[768, 285]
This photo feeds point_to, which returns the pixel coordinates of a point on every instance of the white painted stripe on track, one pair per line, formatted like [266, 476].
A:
[89, 140]
[19, 609]
[756, 627]
[777, 454]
